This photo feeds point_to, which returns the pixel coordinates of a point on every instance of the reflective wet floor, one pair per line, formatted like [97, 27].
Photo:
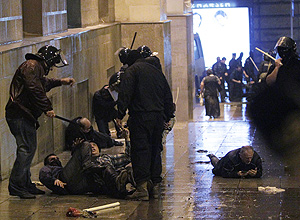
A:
[189, 189]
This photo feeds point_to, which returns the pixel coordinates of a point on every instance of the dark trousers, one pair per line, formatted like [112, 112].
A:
[77, 172]
[104, 128]
[146, 146]
[223, 92]
[25, 133]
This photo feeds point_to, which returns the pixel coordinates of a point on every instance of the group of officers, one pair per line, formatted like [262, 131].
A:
[240, 77]
[139, 88]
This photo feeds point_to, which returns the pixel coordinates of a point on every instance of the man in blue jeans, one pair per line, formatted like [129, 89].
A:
[27, 101]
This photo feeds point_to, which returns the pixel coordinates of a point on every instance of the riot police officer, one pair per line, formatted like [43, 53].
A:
[27, 101]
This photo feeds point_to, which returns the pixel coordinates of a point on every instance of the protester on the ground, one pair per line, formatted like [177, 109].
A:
[82, 128]
[89, 171]
[241, 162]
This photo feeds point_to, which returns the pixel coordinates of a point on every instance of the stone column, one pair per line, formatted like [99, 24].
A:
[182, 57]
[83, 13]
[44, 17]
[11, 21]
[149, 20]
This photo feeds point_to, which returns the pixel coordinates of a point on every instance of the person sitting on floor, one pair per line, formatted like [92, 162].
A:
[241, 162]
[82, 128]
[88, 171]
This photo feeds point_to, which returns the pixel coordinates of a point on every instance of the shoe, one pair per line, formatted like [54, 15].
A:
[121, 180]
[36, 191]
[24, 195]
[118, 143]
[141, 193]
[155, 191]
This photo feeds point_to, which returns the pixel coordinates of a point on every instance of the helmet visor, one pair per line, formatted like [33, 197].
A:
[62, 61]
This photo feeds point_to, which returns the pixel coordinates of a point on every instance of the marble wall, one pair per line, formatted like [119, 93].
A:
[156, 35]
[41, 18]
[138, 11]
[11, 21]
[182, 65]
[91, 57]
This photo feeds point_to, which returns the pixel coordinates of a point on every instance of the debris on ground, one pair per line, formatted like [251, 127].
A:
[270, 189]
[91, 212]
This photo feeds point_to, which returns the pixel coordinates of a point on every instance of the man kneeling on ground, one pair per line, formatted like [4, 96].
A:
[242, 162]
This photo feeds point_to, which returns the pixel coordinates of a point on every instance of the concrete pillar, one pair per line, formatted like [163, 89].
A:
[10, 21]
[83, 13]
[44, 17]
[182, 43]
[148, 19]
[140, 11]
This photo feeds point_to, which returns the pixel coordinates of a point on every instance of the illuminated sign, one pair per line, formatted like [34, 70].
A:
[212, 5]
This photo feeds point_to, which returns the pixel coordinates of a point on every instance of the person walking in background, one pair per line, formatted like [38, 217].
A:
[210, 87]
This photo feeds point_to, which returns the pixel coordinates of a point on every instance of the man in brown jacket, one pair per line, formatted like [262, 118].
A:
[27, 101]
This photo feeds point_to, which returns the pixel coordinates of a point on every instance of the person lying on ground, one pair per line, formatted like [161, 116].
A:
[82, 128]
[89, 171]
[241, 162]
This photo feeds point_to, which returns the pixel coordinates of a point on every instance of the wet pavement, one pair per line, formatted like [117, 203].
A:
[189, 189]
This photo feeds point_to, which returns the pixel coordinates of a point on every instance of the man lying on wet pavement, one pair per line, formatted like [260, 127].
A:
[88, 171]
[242, 162]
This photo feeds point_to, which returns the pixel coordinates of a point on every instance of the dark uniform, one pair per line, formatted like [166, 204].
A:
[103, 107]
[219, 70]
[145, 92]
[276, 109]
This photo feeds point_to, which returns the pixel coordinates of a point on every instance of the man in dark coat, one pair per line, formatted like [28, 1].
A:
[81, 128]
[103, 107]
[242, 162]
[220, 70]
[145, 92]
[210, 87]
[276, 109]
[27, 101]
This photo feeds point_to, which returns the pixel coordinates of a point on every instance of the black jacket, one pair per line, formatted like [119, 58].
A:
[103, 105]
[144, 88]
[231, 164]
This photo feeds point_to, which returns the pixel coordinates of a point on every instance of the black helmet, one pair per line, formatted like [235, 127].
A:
[286, 47]
[52, 56]
[271, 53]
[114, 80]
[123, 55]
[145, 51]
[133, 56]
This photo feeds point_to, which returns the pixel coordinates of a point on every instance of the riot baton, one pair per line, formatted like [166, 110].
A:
[65, 119]
[263, 52]
[254, 64]
[133, 40]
